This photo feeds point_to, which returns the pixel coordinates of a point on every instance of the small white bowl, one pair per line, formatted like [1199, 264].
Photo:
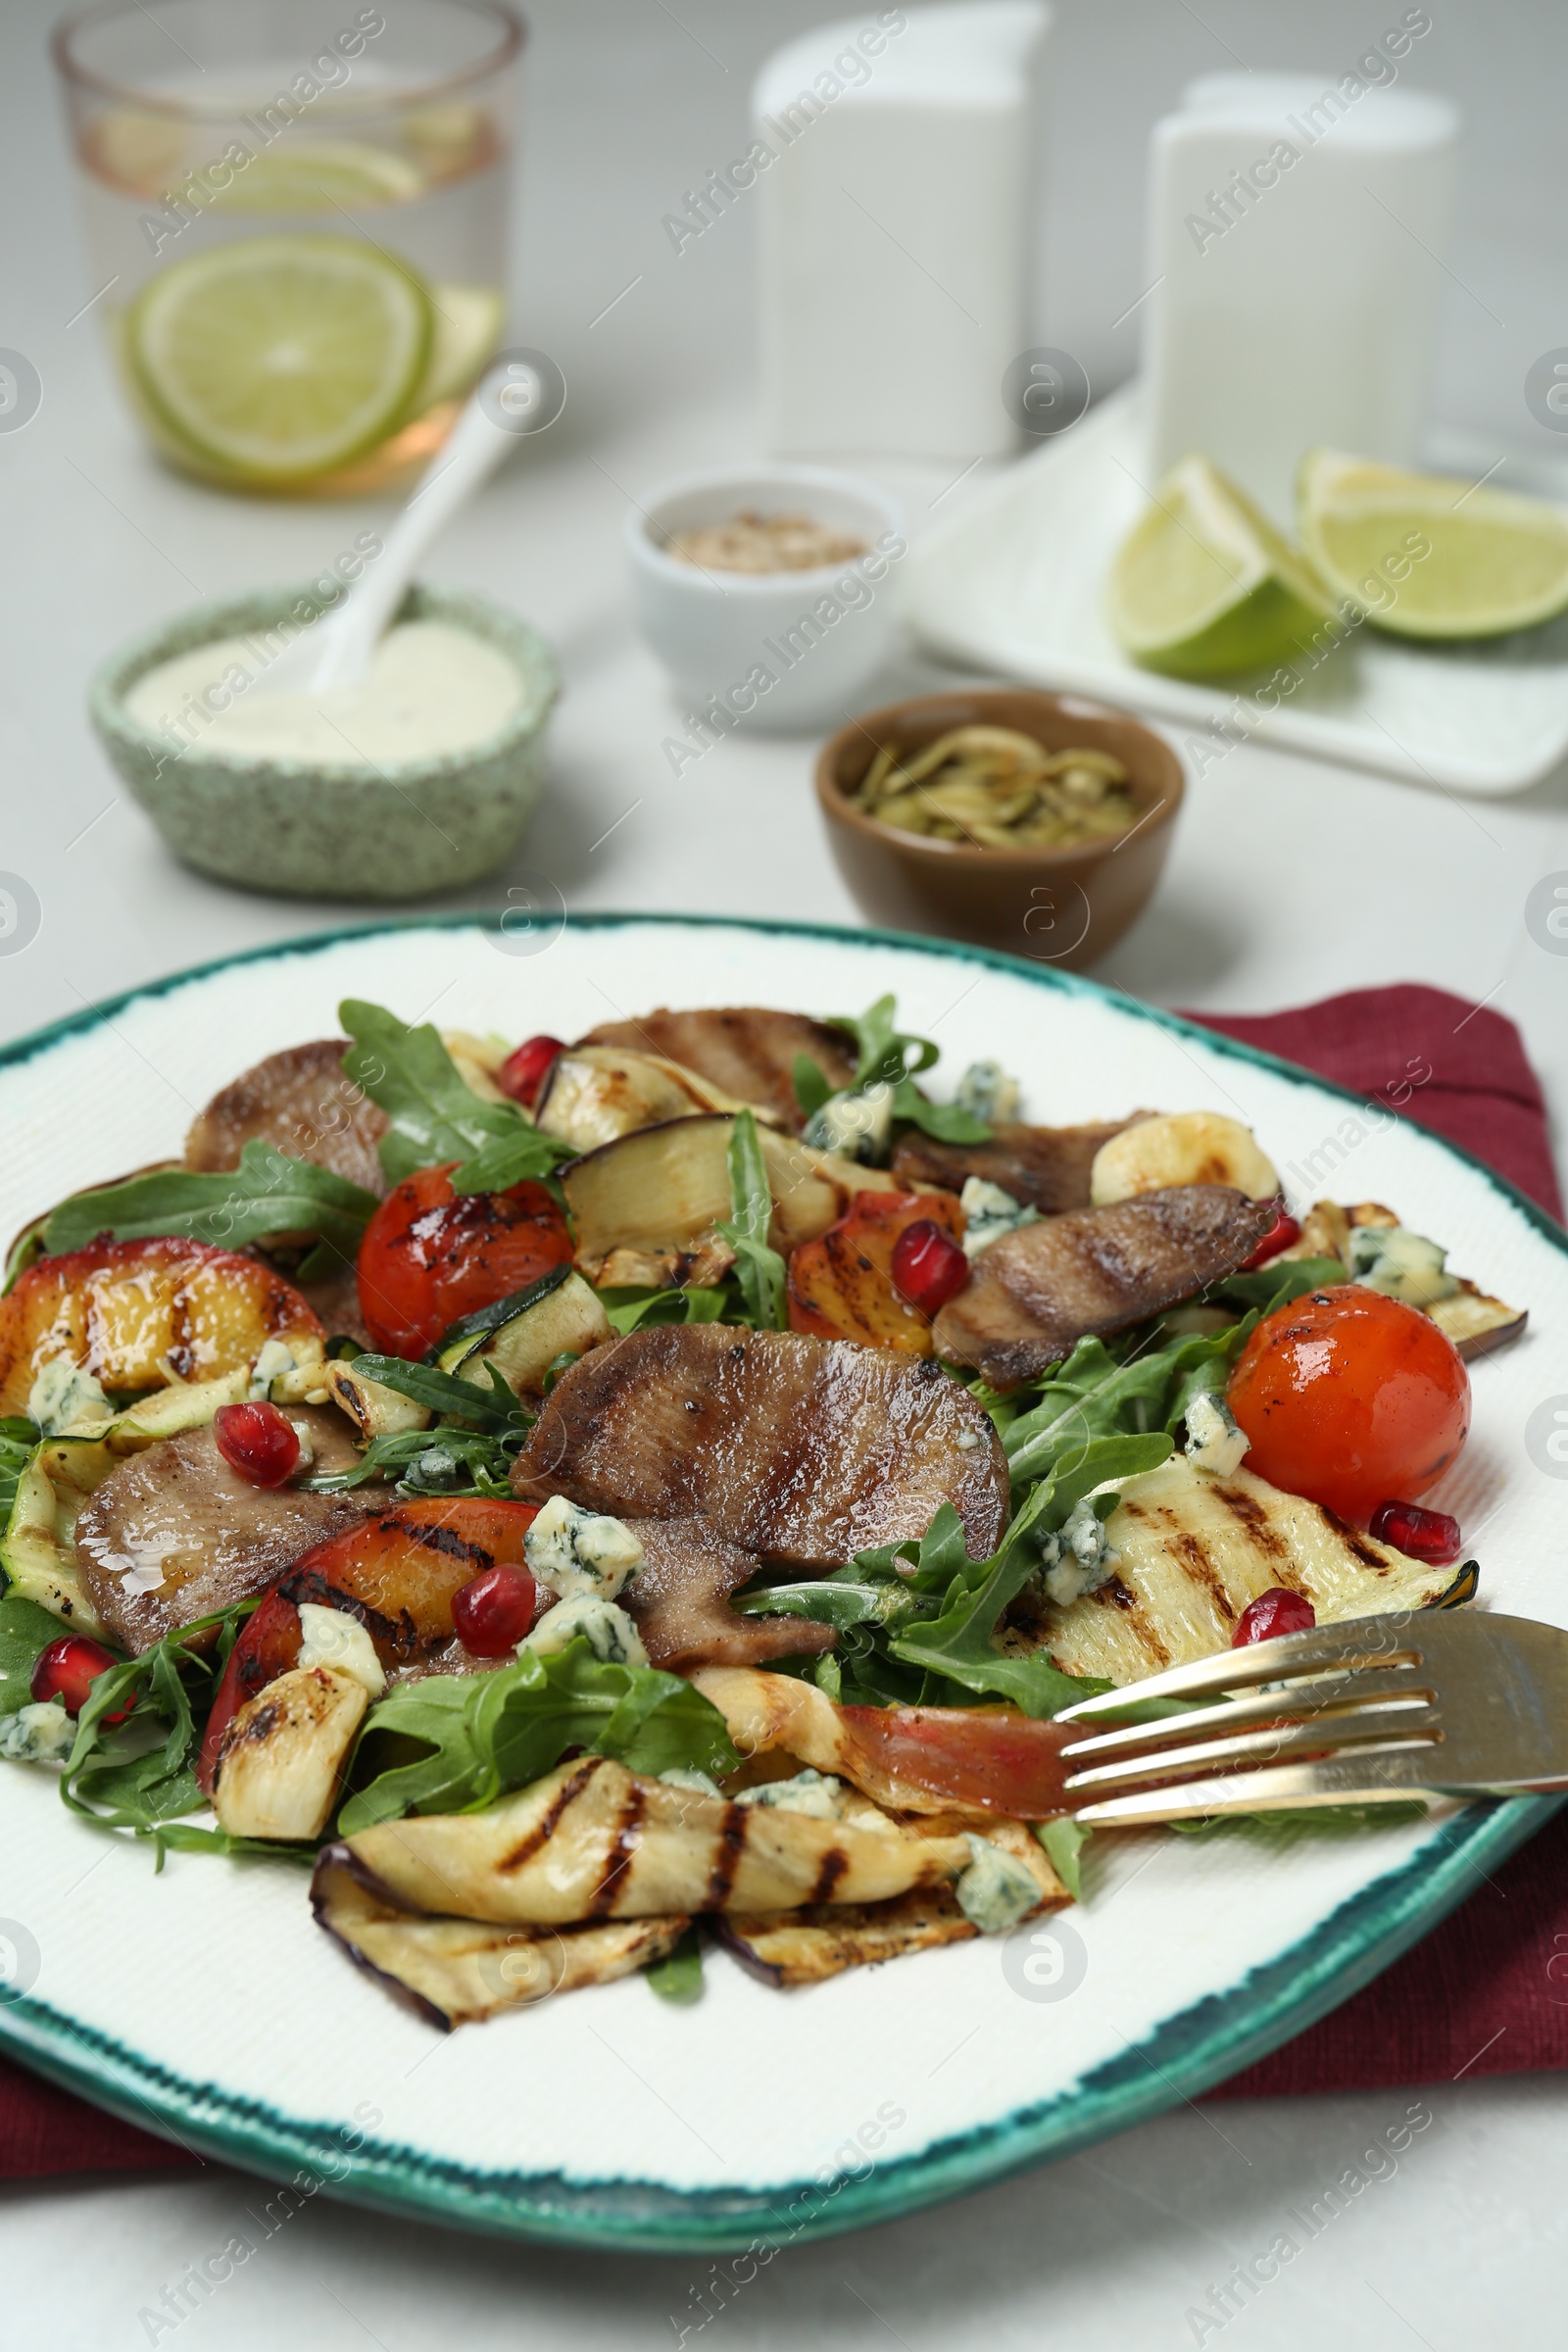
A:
[778, 649]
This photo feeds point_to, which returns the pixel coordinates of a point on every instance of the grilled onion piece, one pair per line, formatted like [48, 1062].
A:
[282, 1755]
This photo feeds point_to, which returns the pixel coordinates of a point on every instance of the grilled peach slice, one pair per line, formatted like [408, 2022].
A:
[841, 1285]
[139, 1314]
[398, 1572]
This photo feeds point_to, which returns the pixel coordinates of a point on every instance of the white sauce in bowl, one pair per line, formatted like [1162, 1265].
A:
[430, 691]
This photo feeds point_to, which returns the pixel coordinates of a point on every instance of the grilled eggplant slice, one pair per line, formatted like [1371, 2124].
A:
[1036, 1293]
[1474, 1321]
[746, 1048]
[1045, 1167]
[301, 1102]
[679, 1602]
[800, 1449]
[525, 1334]
[1195, 1550]
[140, 1314]
[592, 1841]
[596, 1094]
[458, 1972]
[171, 1533]
[646, 1206]
[283, 1754]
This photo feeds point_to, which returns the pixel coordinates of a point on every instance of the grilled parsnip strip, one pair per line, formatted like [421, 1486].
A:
[592, 1841]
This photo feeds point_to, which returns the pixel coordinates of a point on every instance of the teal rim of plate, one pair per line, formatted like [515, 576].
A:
[1186, 2055]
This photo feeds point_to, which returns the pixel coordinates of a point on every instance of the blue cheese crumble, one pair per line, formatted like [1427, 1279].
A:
[1215, 1440]
[997, 1889]
[40, 1733]
[335, 1640]
[990, 1212]
[816, 1793]
[608, 1630]
[580, 1553]
[987, 1092]
[64, 1395]
[1078, 1558]
[1400, 1264]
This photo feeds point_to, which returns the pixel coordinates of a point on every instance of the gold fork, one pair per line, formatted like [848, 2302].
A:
[1372, 1710]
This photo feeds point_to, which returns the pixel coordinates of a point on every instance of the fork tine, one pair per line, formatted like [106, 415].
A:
[1349, 1643]
[1324, 1700]
[1392, 1727]
[1383, 1778]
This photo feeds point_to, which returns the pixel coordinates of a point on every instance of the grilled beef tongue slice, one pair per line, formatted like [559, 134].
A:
[301, 1102]
[1036, 1293]
[1045, 1167]
[745, 1049]
[178, 1515]
[679, 1598]
[804, 1450]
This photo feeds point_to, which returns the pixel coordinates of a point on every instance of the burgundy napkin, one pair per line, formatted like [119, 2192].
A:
[1487, 1993]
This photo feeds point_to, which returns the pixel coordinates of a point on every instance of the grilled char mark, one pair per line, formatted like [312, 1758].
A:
[1113, 1594]
[545, 1827]
[1198, 1566]
[1259, 1528]
[622, 1851]
[1036, 1293]
[834, 1864]
[400, 1633]
[732, 1835]
[1355, 1542]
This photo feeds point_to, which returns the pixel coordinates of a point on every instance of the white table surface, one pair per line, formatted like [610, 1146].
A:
[1288, 881]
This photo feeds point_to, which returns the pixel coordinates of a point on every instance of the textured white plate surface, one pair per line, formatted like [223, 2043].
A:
[1016, 579]
[205, 2000]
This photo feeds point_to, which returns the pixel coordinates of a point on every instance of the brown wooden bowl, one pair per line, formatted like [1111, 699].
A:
[1063, 907]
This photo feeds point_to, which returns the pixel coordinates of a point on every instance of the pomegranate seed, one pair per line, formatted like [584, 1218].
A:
[494, 1610]
[256, 1442]
[928, 1266]
[1430, 1536]
[1283, 1234]
[67, 1671]
[1274, 1612]
[524, 1072]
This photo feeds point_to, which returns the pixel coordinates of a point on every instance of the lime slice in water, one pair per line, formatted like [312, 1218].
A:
[1424, 556]
[1203, 586]
[315, 175]
[465, 331]
[281, 358]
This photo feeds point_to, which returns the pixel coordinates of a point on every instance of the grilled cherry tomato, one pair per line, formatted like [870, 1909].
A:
[994, 1758]
[1277, 1611]
[1347, 1396]
[67, 1671]
[431, 1255]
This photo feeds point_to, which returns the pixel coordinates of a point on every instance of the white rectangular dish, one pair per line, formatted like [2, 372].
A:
[1015, 582]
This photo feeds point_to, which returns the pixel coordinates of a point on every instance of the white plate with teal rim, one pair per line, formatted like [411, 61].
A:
[204, 2004]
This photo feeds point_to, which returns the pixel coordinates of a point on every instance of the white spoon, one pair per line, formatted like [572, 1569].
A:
[337, 650]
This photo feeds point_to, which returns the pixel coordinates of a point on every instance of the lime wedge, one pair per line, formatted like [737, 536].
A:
[1424, 556]
[315, 176]
[281, 358]
[1203, 586]
[466, 330]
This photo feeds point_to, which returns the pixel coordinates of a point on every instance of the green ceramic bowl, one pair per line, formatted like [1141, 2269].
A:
[315, 831]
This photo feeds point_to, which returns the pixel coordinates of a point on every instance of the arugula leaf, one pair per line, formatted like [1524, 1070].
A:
[25, 1630]
[812, 1085]
[430, 1461]
[435, 1115]
[1065, 1840]
[491, 1733]
[26, 1251]
[835, 1602]
[494, 1409]
[631, 1308]
[1093, 1395]
[1274, 1287]
[270, 1192]
[959, 1642]
[893, 1056]
[948, 1122]
[18, 1437]
[679, 1977]
[759, 1269]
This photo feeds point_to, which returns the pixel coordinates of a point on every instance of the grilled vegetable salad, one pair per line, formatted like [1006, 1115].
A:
[574, 1493]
